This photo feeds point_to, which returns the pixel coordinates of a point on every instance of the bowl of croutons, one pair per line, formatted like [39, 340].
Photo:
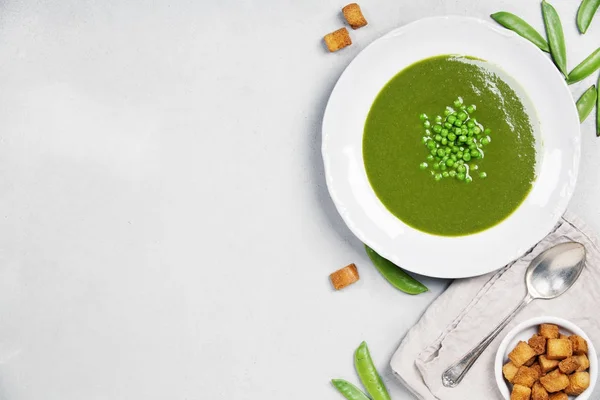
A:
[546, 358]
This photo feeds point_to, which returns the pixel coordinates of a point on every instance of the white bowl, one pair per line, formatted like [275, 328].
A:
[558, 160]
[523, 332]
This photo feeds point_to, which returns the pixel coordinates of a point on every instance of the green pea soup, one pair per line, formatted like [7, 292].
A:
[393, 148]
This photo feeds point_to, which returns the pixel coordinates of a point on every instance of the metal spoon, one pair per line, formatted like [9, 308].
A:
[549, 275]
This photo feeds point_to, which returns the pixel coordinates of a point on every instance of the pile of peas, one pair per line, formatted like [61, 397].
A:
[453, 141]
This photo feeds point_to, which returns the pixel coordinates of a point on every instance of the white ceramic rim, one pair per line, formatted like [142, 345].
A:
[368, 218]
[502, 356]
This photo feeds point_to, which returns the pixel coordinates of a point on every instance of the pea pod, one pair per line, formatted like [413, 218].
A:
[368, 374]
[587, 102]
[556, 37]
[598, 109]
[522, 28]
[585, 14]
[348, 390]
[585, 68]
[395, 275]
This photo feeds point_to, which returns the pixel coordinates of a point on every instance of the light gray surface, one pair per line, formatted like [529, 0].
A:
[166, 229]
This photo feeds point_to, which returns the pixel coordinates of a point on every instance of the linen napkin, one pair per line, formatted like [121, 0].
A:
[470, 308]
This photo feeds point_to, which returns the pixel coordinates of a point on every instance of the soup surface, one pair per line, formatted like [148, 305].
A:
[393, 148]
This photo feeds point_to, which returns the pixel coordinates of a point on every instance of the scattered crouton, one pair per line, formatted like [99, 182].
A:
[538, 392]
[568, 365]
[558, 349]
[558, 396]
[579, 345]
[546, 364]
[521, 354]
[538, 344]
[526, 376]
[549, 331]
[520, 392]
[584, 362]
[554, 381]
[354, 16]
[578, 382]
[337, 40]
[344, 277]
[509, 370]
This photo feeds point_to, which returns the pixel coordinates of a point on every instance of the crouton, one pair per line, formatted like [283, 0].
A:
[546, 364]
[579, 345]
[526, 376]
[555, 381]
[509, 370]
[578, 382]
[549, 331]
[344, 277]
[538, 392]
[568, 365]
[530, 362]
[337, 40]
[538, 344]
[584, 362]
[558, 396]
[520, 392]
[536, 367]
[521, 354]
[558, 349]
[354, 16]
[561, 336]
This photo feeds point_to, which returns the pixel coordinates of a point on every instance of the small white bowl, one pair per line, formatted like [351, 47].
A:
[523, 332]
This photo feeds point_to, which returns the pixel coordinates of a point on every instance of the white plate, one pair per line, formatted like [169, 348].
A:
[527, 329]
[558, 161]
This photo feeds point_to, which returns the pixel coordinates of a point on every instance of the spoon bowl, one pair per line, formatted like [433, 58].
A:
[555, 270]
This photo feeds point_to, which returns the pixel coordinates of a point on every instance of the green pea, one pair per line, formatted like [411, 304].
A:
[460, 162]
[437, 128]
[451, 143]
[423, 165]
[448, 125]
[443, 167]
[458, 102]
[462, 138]
[431, 144]
[447, 150]
[462, 116]
[427, 124]
[438, 138]
[467, 157]
[430, 157]
[487, 131]
[471, 124]
[461, 168]
[455, 149]
[475, 153]
[445, 174]
[485, 141]
[482, 175]
[449, 162]
[444, 132]
[348, 390]
[474, 167]
[451, 136]
[423, 117]
[468, 179]
[438, 176]
[458, 122]
[438, 118]
[370, 378]
[452, 174]
[441, 152]
[433, 152]
[444, 141]
[470, 141]
[447, 112]
[460, 176]
[471, 109]
[457, 131]
[451, 119]
[453, 157]
[477, 130]
[459, 154]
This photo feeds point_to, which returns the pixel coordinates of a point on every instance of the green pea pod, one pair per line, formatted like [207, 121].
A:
[586, 12]
[585, 68]
[394, 274]
[587, 102]
[598, 109]
[556, 37]
[522, 28]
[368, 374]
[348, 390]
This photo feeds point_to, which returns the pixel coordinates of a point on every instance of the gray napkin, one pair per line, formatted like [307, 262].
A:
[470, 308]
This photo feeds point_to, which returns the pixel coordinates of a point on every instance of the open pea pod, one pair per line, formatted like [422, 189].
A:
[394, 274]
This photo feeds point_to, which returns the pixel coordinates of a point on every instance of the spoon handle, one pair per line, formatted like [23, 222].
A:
[457, 371]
